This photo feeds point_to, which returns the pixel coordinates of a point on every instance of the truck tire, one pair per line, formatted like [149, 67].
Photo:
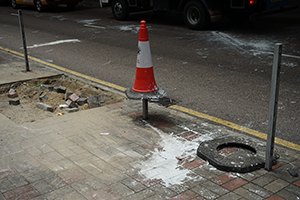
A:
[195, 15]
[120, 9]
[39, 6]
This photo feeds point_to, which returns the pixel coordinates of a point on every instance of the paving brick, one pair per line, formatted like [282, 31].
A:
[44, 107]
[246, 194]
[17, 181]
[194, 163]
[234, 184]
[205, 193]
[190, 135]
[163, 192]
[223, 179]
[6, 171]
[257, 190]
[277, 165]
[122, 189]
[24, 193]
[133, 184]
[73, 97]
[287, 195]
[293, 189]
[297, 183]
[5, 185]
[42, 187]
[146, 193]
[230, 196]
[105, 194]
[73, 175]
[145, 181]
[185, 195]
[14, 102]
[264, 180]
[215, 188]
[276, 185]
[275, 197]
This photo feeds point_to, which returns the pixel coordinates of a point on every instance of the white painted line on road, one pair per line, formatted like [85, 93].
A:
[53, 43]
[93, 26]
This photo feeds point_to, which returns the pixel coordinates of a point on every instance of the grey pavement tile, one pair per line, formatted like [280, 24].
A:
[52, 156]
[205, 173]
[59, 193]
[247, 194]
[204, 192]
[287, 194]
[293, 189]
[230, 196]
[51, 137]
[36, 174]
[215, 188]
[76, 149]
[34, 151]
[111, 177]
[5, 185]
[283, 174]
[121, 189]
[257, 190]
[66, 152]
[2, 197]
[42, 187]
[91, 169]
[17, 181]
[66, 164]
[54, 181]
[276, 185]
[133, 184]
[61, 144]
[84, 158]
[31, 142]
[73, 196]
[163, 192]
[146, 193]
[264, 179]
[45, 148]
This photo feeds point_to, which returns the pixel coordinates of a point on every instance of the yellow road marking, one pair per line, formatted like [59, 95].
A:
[176, 107]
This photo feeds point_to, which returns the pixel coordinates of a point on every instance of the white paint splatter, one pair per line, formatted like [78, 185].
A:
[53, 43]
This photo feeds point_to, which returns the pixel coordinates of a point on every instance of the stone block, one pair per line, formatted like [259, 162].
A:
[59, 89]
[81, 101]
[12, 95]
[71, 110]
[43, 97]
[95, 101]
[14, 102]
[67, 94]
[11, 90]
[44, 106]
[74, 97]
[46, 87]
[71, 104]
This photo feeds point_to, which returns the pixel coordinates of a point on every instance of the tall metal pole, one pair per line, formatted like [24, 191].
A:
[23, 39]
[273, 106]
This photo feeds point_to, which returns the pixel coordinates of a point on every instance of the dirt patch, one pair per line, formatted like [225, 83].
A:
[29, 93]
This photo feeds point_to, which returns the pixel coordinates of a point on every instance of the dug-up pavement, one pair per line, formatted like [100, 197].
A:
[110, 153]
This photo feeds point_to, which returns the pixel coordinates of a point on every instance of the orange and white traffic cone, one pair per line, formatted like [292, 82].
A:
[144, 77]
[144, 87]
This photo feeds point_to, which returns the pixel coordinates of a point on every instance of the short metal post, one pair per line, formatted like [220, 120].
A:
[23, 39]
[145, 108]
[273, 106]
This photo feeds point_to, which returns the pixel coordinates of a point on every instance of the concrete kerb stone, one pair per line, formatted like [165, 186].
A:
[44, 106]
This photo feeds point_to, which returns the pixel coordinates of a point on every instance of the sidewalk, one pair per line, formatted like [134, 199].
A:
[111, 153]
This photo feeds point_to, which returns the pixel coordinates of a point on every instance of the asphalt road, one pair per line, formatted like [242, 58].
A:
[224, 72]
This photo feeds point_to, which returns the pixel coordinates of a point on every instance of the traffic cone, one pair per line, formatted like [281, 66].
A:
[144, 77]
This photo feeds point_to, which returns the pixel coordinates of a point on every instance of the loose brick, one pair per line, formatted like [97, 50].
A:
[44, 106]
[14, 102]
[46, 87]
[12, 95]
[71, 104]
[59, 89]
[81, 101]
[74, 97]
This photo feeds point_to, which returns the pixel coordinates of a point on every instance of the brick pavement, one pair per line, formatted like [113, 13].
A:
[68, 157]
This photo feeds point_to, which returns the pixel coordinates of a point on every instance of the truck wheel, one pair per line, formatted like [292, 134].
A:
[14, 4]
[120, 9]
[38, 5]
[195, 15]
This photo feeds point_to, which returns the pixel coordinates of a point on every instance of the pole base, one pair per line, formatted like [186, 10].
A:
[149, 95]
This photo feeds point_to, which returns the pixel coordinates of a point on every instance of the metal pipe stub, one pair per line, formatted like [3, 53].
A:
[130, 94]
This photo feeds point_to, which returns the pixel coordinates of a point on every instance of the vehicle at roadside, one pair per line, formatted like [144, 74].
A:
[41, 5]
[199, 14]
